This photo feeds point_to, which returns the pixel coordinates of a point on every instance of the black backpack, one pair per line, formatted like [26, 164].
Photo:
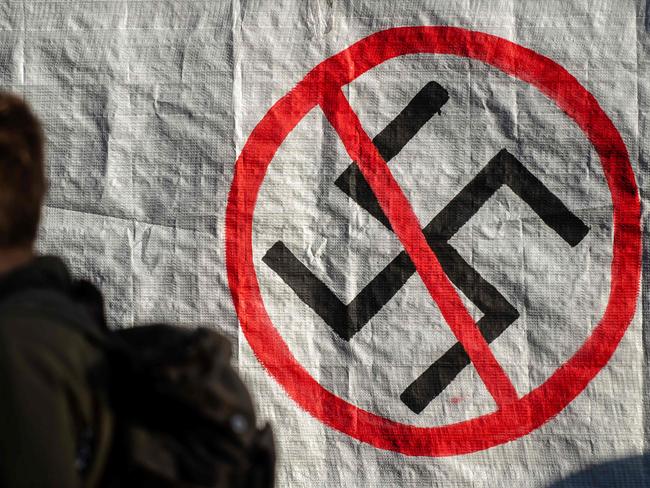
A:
[184, 417]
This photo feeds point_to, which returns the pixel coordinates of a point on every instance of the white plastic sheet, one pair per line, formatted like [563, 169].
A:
[148, 104]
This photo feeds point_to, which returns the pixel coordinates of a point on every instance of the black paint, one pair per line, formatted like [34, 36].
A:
[498, 313]
[390, 141]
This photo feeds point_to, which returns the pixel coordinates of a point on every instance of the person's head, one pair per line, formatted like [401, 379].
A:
[22, 175]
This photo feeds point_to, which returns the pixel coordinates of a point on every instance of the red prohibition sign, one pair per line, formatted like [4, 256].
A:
[515, 416]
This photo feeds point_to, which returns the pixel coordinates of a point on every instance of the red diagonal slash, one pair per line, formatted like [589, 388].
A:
[407, 227]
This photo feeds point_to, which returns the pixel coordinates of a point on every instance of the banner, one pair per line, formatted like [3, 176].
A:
[420, 223]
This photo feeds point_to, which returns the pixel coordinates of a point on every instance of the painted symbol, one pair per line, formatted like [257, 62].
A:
[515, 415]
[502, 169]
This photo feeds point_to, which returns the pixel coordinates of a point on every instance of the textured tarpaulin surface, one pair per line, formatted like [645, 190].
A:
[148, 104]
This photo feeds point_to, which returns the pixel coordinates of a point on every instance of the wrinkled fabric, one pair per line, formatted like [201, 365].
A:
[147, 106]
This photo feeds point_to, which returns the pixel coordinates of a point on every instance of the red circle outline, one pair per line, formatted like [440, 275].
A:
[542, 403]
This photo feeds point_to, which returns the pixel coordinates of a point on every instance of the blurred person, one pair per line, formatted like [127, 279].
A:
[85, 406]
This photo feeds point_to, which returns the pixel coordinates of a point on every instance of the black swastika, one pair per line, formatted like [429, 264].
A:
[498, 313]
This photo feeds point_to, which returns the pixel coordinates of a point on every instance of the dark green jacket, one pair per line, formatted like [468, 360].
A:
[55, 421]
